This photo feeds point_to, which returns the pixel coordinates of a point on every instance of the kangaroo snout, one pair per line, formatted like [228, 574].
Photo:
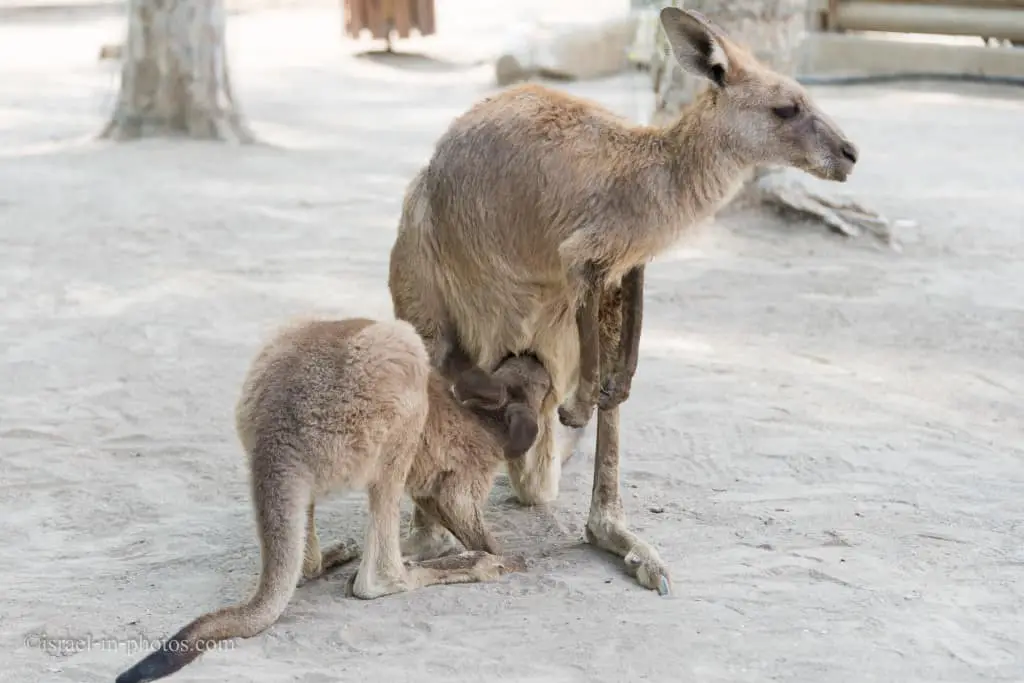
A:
[844, 159]
[848, 151]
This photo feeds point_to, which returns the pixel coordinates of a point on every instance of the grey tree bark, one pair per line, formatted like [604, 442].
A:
[174, 74]
[773, 30]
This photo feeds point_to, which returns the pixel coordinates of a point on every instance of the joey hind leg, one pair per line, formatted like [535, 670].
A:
[462, 516]
[312, 564]
[428, 538]
[579, 408]
[606, 524]
[339, 554]
[474, 566]
[381, 571]
[618, 371]
[316, 562]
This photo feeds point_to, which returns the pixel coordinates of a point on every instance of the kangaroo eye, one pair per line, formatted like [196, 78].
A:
[786, 112]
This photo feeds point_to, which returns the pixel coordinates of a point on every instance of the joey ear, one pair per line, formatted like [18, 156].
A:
[478, 390]
[695, 44]
[522, 430]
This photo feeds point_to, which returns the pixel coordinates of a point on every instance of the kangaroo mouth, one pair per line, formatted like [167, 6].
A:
[836, 171]
[840, 175]
[843, 168]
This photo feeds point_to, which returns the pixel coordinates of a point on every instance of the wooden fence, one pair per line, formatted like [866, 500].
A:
[1002, 19]
[384, 17]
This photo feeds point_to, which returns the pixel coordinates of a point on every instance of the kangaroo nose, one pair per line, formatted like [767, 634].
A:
[848, 150]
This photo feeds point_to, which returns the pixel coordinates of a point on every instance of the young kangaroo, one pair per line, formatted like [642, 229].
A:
[536, 204]
[354, 404]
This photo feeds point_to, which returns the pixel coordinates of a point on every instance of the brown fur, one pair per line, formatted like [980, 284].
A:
[536, 203]
[354, 404]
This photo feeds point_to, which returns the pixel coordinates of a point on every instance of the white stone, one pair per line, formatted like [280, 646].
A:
[574, 49]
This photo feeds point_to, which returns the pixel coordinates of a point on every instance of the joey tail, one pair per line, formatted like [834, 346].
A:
[281, 517]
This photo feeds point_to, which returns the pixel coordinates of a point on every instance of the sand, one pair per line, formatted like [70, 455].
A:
[824, 437]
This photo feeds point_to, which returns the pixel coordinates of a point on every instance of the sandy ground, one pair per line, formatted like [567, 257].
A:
[824, 438]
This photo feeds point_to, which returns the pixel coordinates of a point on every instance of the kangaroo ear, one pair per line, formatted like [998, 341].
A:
[475, 389]
[695, 43]
[522, 431]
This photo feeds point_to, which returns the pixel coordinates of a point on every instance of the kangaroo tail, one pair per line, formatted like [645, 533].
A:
[281, 518]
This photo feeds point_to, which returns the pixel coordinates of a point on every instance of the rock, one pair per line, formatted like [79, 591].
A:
[566, 49]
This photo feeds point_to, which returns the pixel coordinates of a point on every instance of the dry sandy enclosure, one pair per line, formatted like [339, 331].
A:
[824, 437]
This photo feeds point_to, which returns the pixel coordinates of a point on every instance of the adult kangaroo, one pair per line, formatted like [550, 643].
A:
[531, 225]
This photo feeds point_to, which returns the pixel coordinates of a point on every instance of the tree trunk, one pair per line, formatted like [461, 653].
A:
[773, 30]
[174, 77]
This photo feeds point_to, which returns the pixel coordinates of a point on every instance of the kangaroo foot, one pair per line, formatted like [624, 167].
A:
[641, 559]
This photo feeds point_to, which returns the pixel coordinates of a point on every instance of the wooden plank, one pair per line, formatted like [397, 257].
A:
[852, 54]
[864, 15]
[974, 4]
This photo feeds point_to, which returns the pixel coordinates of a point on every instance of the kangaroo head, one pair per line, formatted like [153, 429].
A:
[509, 399]
[759, 115]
